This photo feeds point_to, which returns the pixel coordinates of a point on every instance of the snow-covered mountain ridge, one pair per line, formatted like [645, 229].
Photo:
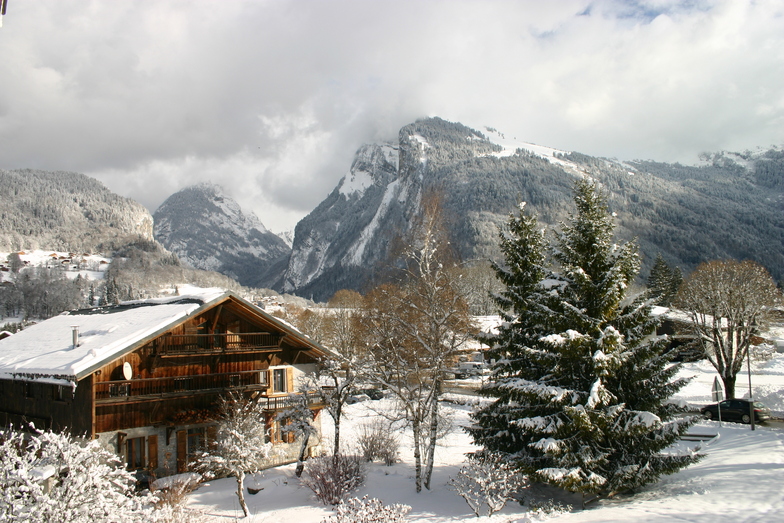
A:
[208, 230]
[729, 206]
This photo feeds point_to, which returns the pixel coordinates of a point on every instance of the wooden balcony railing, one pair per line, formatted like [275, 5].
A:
[126, 389]
[188, 344]
[282, 402]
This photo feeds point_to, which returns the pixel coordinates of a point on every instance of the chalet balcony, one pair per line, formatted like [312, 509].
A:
[151, 388]
[198, 344]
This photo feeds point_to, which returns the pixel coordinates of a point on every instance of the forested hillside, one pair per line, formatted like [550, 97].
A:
[66, 211]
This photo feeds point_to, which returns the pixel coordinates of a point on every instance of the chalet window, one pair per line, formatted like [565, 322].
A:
[280, 435]
[29, 389]
[59, 393]
[134, 452]
[197, 443]
[264, 378]
[279, 380]
[119, 390]
[182, 384]
[234, 380]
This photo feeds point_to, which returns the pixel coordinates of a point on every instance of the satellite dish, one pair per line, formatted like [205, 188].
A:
[127, 371]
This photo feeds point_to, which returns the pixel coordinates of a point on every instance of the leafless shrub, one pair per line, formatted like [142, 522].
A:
[332, 477]
[377, 441]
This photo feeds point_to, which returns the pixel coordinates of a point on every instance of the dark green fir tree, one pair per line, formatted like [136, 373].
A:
[664, 281]
[580, 383]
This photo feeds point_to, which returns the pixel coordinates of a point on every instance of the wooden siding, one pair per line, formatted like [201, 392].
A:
[47, 406]
[178, 385]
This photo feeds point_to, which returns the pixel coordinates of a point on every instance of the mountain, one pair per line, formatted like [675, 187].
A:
[66, 211]
[730, 206]
[209, 231]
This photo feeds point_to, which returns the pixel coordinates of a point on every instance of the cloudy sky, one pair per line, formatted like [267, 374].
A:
[270, 99]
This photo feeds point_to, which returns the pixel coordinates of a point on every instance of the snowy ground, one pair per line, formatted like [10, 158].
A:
[739, 479]
[767, 383]
[90, 266]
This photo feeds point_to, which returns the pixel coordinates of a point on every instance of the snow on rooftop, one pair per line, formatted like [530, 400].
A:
[46, 349]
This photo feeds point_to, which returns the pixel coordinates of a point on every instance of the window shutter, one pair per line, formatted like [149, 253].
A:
[290, 380]
[152, 452]
[212, 435]
[182, 451]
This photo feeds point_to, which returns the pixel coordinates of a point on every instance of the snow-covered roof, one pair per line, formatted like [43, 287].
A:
[46, 350]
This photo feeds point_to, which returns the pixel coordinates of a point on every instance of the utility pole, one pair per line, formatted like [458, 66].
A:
[751, 396]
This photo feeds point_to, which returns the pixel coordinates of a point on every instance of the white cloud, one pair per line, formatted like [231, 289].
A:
[271, 99]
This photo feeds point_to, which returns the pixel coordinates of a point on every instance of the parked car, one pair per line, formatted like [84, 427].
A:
[374, 394]
[357, 398]
[736, 410]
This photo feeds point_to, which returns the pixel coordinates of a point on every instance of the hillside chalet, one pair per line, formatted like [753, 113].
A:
[144, 377]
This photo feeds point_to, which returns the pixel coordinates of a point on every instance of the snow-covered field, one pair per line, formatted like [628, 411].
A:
[740, 479]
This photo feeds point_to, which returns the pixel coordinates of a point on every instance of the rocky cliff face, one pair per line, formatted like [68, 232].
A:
[345, 242]
[730, 206]
[66, 211]
[209, 231]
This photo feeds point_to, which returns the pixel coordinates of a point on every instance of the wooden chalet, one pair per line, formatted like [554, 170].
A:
[145, 377]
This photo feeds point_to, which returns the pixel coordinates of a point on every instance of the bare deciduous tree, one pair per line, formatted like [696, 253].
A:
[725, 300]
[413, 329]
[337, 374]
[298, 420]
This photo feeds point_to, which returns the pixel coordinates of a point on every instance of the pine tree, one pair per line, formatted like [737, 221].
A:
[664, 281]
[580, 384]
[112, 292]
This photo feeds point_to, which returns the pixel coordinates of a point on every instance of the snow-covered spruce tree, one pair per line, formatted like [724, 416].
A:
[240, 443]
[580, 383]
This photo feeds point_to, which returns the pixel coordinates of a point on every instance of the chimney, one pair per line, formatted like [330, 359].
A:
[75, 335]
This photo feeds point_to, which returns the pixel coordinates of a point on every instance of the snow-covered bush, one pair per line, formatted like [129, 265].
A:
[47, 476]
[486, 482]
[171, 497]
[547, 508]
[332, 477]
[366, 510]
[762, 353]
[377, 441]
